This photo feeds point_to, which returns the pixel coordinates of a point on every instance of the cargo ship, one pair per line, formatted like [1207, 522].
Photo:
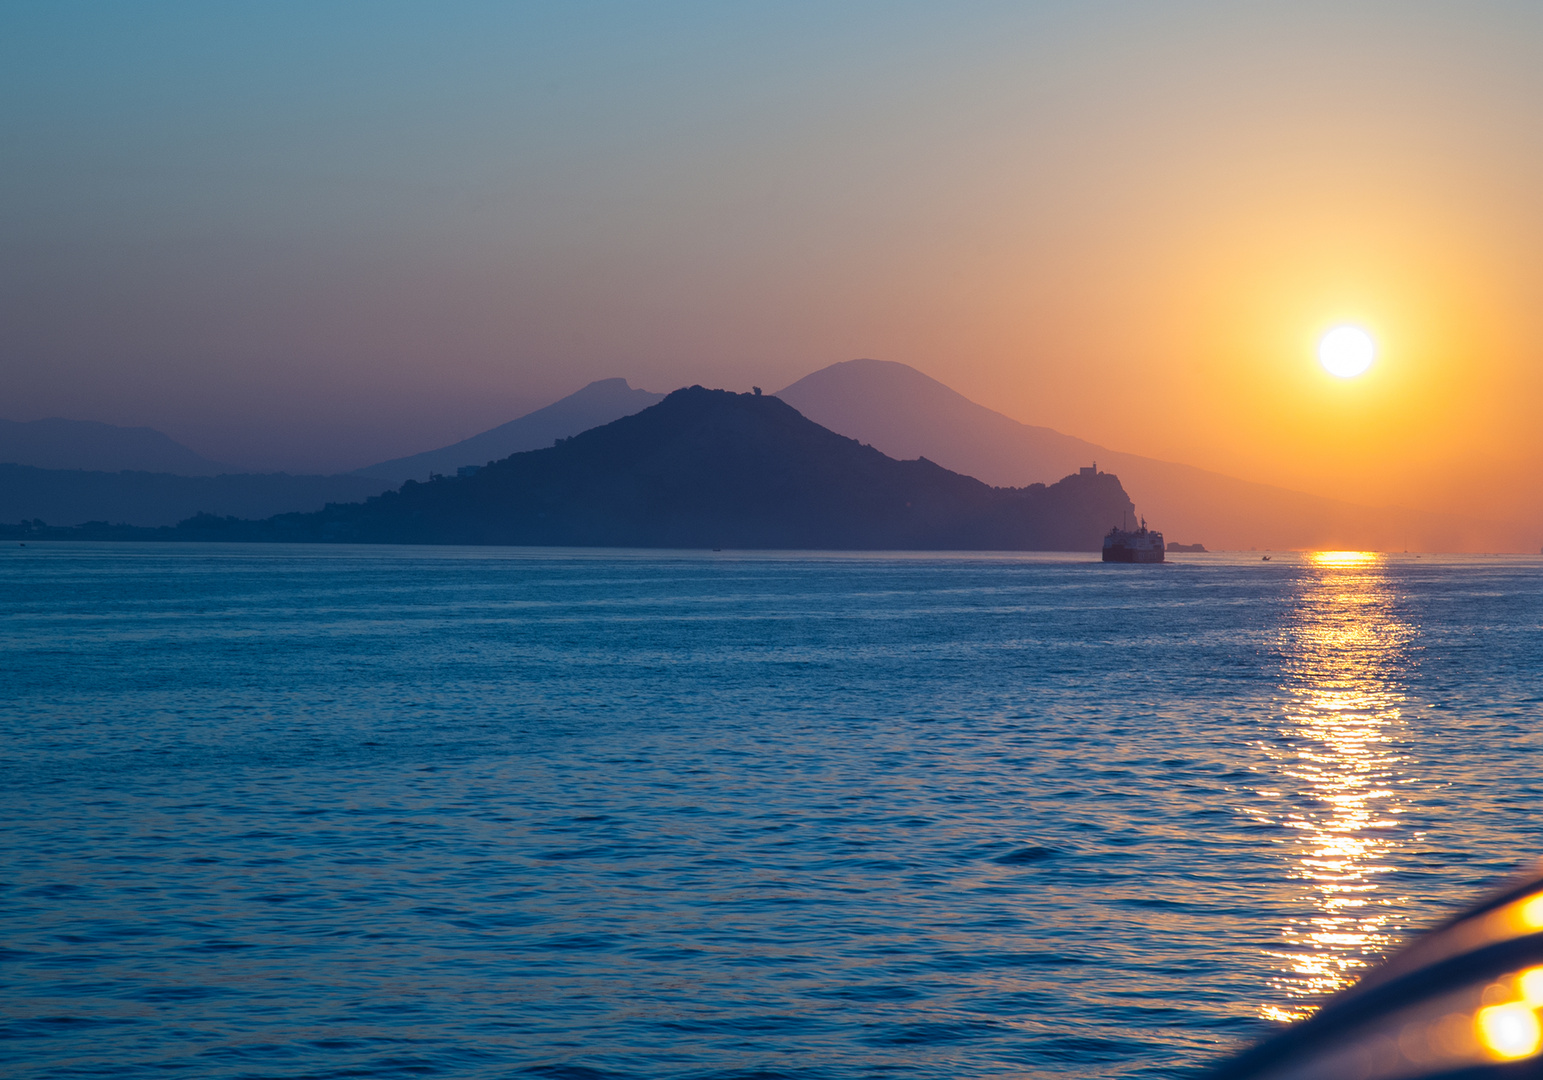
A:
[1141, 545]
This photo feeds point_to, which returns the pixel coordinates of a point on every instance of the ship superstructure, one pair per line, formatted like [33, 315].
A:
[1141, 545]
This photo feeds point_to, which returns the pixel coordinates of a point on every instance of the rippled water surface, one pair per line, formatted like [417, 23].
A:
[317, 812]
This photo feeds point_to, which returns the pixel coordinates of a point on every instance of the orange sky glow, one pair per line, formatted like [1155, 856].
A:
[1128, 222]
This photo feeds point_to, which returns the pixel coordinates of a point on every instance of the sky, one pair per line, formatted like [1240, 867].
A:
[311, 236]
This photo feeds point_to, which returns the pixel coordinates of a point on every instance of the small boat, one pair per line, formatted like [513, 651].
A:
[1141, 545]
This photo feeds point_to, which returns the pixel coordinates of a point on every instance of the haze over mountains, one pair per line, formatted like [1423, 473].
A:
[710, 468]
[598, 403]
[57, 443]
[905, 413]
[890, 406]
[65, 472]
[73, 496]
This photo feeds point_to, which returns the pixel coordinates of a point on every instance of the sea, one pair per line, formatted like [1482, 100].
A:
[328, 811]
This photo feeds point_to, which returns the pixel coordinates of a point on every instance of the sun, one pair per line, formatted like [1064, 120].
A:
[1346, 351]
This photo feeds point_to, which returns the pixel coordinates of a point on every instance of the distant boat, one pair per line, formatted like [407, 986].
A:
[1141, 545]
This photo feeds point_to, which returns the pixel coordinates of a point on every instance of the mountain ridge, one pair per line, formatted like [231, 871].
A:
[58, 443]
[710, 468]
[902, 412]
[597, 403]
[151, 499]
[905, 412]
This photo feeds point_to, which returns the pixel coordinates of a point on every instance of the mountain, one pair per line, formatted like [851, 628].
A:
[709, 468]
[72, 471]
[85, 444]
[72, 496]
[598, 403]
[904, 413]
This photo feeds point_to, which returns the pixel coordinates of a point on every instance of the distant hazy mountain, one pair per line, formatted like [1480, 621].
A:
[73, 496]
[902, 412]
[85, 444]
[598, 403]
[709, 468]
[906, 414]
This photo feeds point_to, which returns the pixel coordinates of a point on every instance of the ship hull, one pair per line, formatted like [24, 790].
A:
[1121, 553]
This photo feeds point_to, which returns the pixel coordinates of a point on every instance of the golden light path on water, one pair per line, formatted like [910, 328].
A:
[1345, 650]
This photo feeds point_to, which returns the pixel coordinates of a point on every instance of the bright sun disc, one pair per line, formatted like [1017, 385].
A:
[1346, 351]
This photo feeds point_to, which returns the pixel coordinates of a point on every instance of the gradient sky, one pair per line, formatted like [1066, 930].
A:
[311, 236]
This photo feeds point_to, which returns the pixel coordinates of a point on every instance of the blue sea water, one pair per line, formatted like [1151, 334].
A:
[386, 812]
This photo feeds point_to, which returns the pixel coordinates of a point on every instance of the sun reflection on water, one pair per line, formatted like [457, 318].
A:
[1345, 649]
